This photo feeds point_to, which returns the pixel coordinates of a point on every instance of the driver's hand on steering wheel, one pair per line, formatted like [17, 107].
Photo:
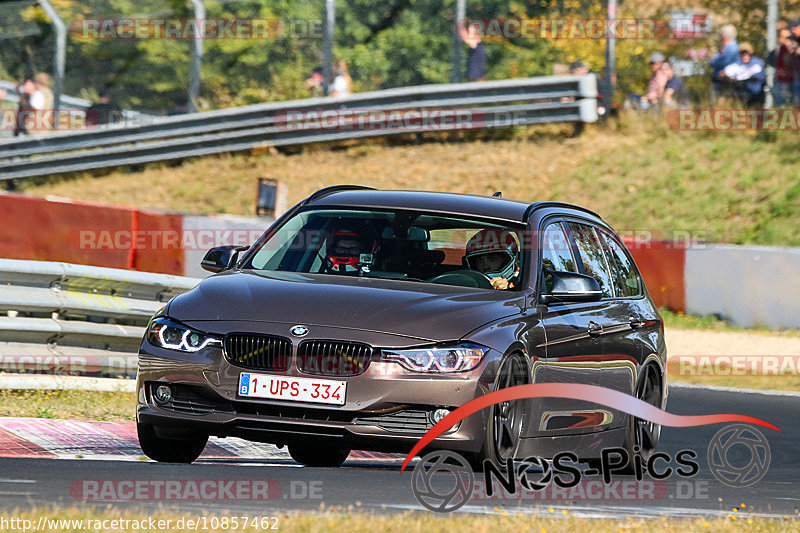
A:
[500, 283]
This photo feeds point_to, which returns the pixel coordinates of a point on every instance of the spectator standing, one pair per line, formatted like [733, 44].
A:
[42, 98]
[675, 92]
[342, 85]
[314, 83]
[476, 56]
[655, 88]
[25, 92]
[747, 76]
[781, 59]
[104, 111]
[728, 53]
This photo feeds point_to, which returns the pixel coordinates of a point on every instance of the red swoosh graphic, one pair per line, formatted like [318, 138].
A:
[574, 391]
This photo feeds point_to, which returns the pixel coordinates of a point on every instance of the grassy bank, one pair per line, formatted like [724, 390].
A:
[68, 404]
[638, 174]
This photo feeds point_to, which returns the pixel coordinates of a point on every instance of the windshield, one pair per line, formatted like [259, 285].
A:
[401, 245]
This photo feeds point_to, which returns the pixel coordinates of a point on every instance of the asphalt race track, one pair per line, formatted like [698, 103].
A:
[378, 485]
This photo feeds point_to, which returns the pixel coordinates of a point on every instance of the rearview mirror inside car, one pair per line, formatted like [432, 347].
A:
[412, 234]
[572, 287]
[222, 258]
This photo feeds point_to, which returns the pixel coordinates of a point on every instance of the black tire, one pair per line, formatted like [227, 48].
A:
[505, 419]
[320, 455]
[643, 434]
[169, 450]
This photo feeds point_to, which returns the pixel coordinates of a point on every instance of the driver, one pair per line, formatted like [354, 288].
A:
[344, 253]
[495, 253]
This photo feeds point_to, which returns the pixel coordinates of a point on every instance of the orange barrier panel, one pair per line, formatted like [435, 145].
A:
[662, 266]
[165, 252]
[83, 233]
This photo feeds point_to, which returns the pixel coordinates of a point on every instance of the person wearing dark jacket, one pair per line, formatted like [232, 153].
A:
[476, 56]
[104, 111]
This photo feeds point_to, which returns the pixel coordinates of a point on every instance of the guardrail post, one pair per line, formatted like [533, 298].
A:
[60, 55]
[327, 44]
[772, 44]
[197, 53]
[461, 13]
[611, 55]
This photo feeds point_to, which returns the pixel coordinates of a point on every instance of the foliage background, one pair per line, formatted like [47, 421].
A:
[386, 44]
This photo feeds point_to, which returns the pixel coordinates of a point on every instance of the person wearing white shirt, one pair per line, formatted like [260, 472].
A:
[342, 85]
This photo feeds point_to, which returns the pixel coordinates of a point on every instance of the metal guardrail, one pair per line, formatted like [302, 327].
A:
[76, 319]
[490, 105]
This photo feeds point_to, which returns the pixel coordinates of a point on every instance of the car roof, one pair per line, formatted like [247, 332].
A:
[444, 202]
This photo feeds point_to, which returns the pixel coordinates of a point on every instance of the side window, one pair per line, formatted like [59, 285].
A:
[591, 252]
[623, 270]
[556, 253]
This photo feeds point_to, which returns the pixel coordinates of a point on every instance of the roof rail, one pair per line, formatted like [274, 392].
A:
[335, 188]
[540, 205]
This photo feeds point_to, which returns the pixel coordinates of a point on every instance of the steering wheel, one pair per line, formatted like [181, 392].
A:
[463, 278]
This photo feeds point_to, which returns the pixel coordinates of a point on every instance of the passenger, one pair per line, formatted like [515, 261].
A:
[495, 253]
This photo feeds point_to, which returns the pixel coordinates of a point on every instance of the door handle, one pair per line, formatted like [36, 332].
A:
[594, 329]
[635, 322]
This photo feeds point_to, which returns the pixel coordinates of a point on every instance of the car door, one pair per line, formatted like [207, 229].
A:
[585, 341]
[642, 337]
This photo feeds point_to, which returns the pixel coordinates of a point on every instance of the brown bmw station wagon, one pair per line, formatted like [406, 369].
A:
[363, 317]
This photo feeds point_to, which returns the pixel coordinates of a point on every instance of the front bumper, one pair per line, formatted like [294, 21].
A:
[386, 408]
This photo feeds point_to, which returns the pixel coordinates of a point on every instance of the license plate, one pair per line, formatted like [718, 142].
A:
[289, 388]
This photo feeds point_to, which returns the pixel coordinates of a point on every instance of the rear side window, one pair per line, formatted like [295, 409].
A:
[623, 270]
[591, 252]
[556, 253]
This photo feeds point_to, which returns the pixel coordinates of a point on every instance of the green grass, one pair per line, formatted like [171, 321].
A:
[715, 323]
[68, 404]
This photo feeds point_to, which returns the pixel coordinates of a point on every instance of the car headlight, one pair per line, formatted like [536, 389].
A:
[464, 356]
[166, 333]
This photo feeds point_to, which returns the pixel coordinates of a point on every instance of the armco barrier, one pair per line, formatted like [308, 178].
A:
[489, 104]
[76, 319]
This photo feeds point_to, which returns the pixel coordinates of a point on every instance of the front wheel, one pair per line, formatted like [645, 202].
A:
[163, 450]
[504, 426]
[318, 455]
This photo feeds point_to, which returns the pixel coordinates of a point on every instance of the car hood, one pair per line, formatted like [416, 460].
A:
[424, 311]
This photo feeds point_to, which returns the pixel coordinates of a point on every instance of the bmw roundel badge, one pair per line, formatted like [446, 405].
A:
[299, 331]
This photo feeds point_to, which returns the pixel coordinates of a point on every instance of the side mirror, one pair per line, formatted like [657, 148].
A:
[572, 287]
[222, 258]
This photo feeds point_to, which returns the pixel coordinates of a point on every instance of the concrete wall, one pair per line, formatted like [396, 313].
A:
[749, 285]
[201, 233]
